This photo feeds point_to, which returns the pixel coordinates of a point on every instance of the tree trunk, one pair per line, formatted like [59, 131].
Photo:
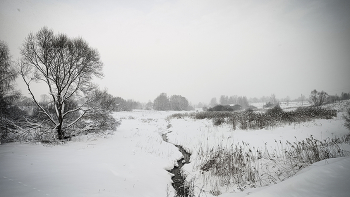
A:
[60, 132]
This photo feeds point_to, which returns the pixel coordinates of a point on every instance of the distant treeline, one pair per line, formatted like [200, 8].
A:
[334, 98]
[272, 100]
[108, 102]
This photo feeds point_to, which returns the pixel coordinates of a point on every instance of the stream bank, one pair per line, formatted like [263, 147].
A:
[179, 180]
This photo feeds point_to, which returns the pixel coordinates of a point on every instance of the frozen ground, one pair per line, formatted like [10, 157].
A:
[133, 161]
[324, 178]
[196, 134]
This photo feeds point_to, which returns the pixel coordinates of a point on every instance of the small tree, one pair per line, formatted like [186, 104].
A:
[318, 98]
[66, 66]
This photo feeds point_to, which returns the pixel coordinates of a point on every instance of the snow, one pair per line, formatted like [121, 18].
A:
[196, 134]
[192, 133]
[133, 161]
[324, 178]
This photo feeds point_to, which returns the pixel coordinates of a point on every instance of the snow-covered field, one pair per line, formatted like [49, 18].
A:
[133, 161]
[195, 135]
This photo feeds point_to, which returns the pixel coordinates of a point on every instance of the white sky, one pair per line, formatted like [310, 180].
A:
[199, 49]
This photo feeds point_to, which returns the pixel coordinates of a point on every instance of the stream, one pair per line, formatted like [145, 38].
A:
[179, 179]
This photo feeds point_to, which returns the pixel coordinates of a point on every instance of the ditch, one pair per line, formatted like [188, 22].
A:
[179, 180]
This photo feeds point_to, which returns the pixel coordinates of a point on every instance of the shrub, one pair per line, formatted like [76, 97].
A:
[211, 114]
[251, 107]
[218, 121]
[249, 119]
[178, 115]
[318, 98]
[275, 111]
[242, 166]
[225, 108]
[347, 119]
[267, 105]
[221, 108]
[236, 107]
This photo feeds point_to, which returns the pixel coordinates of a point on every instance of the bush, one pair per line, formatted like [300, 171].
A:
[225, 108]
[236, 107]
[347, 119]
[98, 121]
[218, 121]
[318, 98]
[254, 120]
[10, 122]
[211, 114]
[268, 105]
[275, 111]
[178, 115]
[252, 108]
[221, 108]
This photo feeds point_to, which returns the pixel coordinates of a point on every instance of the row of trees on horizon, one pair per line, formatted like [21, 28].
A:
[244, 102]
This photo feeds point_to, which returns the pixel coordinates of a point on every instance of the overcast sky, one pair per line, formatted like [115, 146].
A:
[199, 49]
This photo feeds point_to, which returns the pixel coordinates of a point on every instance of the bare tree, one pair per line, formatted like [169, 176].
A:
[66, 66]
[318, 98]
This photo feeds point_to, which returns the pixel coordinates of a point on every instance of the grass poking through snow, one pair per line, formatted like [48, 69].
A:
[240, 166]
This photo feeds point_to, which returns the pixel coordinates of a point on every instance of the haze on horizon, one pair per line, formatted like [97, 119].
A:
[199, 49]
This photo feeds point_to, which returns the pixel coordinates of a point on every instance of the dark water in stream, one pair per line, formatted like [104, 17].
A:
[178, 179]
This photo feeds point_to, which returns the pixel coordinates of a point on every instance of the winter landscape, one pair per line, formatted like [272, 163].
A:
[166, 98]
[135, 160]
